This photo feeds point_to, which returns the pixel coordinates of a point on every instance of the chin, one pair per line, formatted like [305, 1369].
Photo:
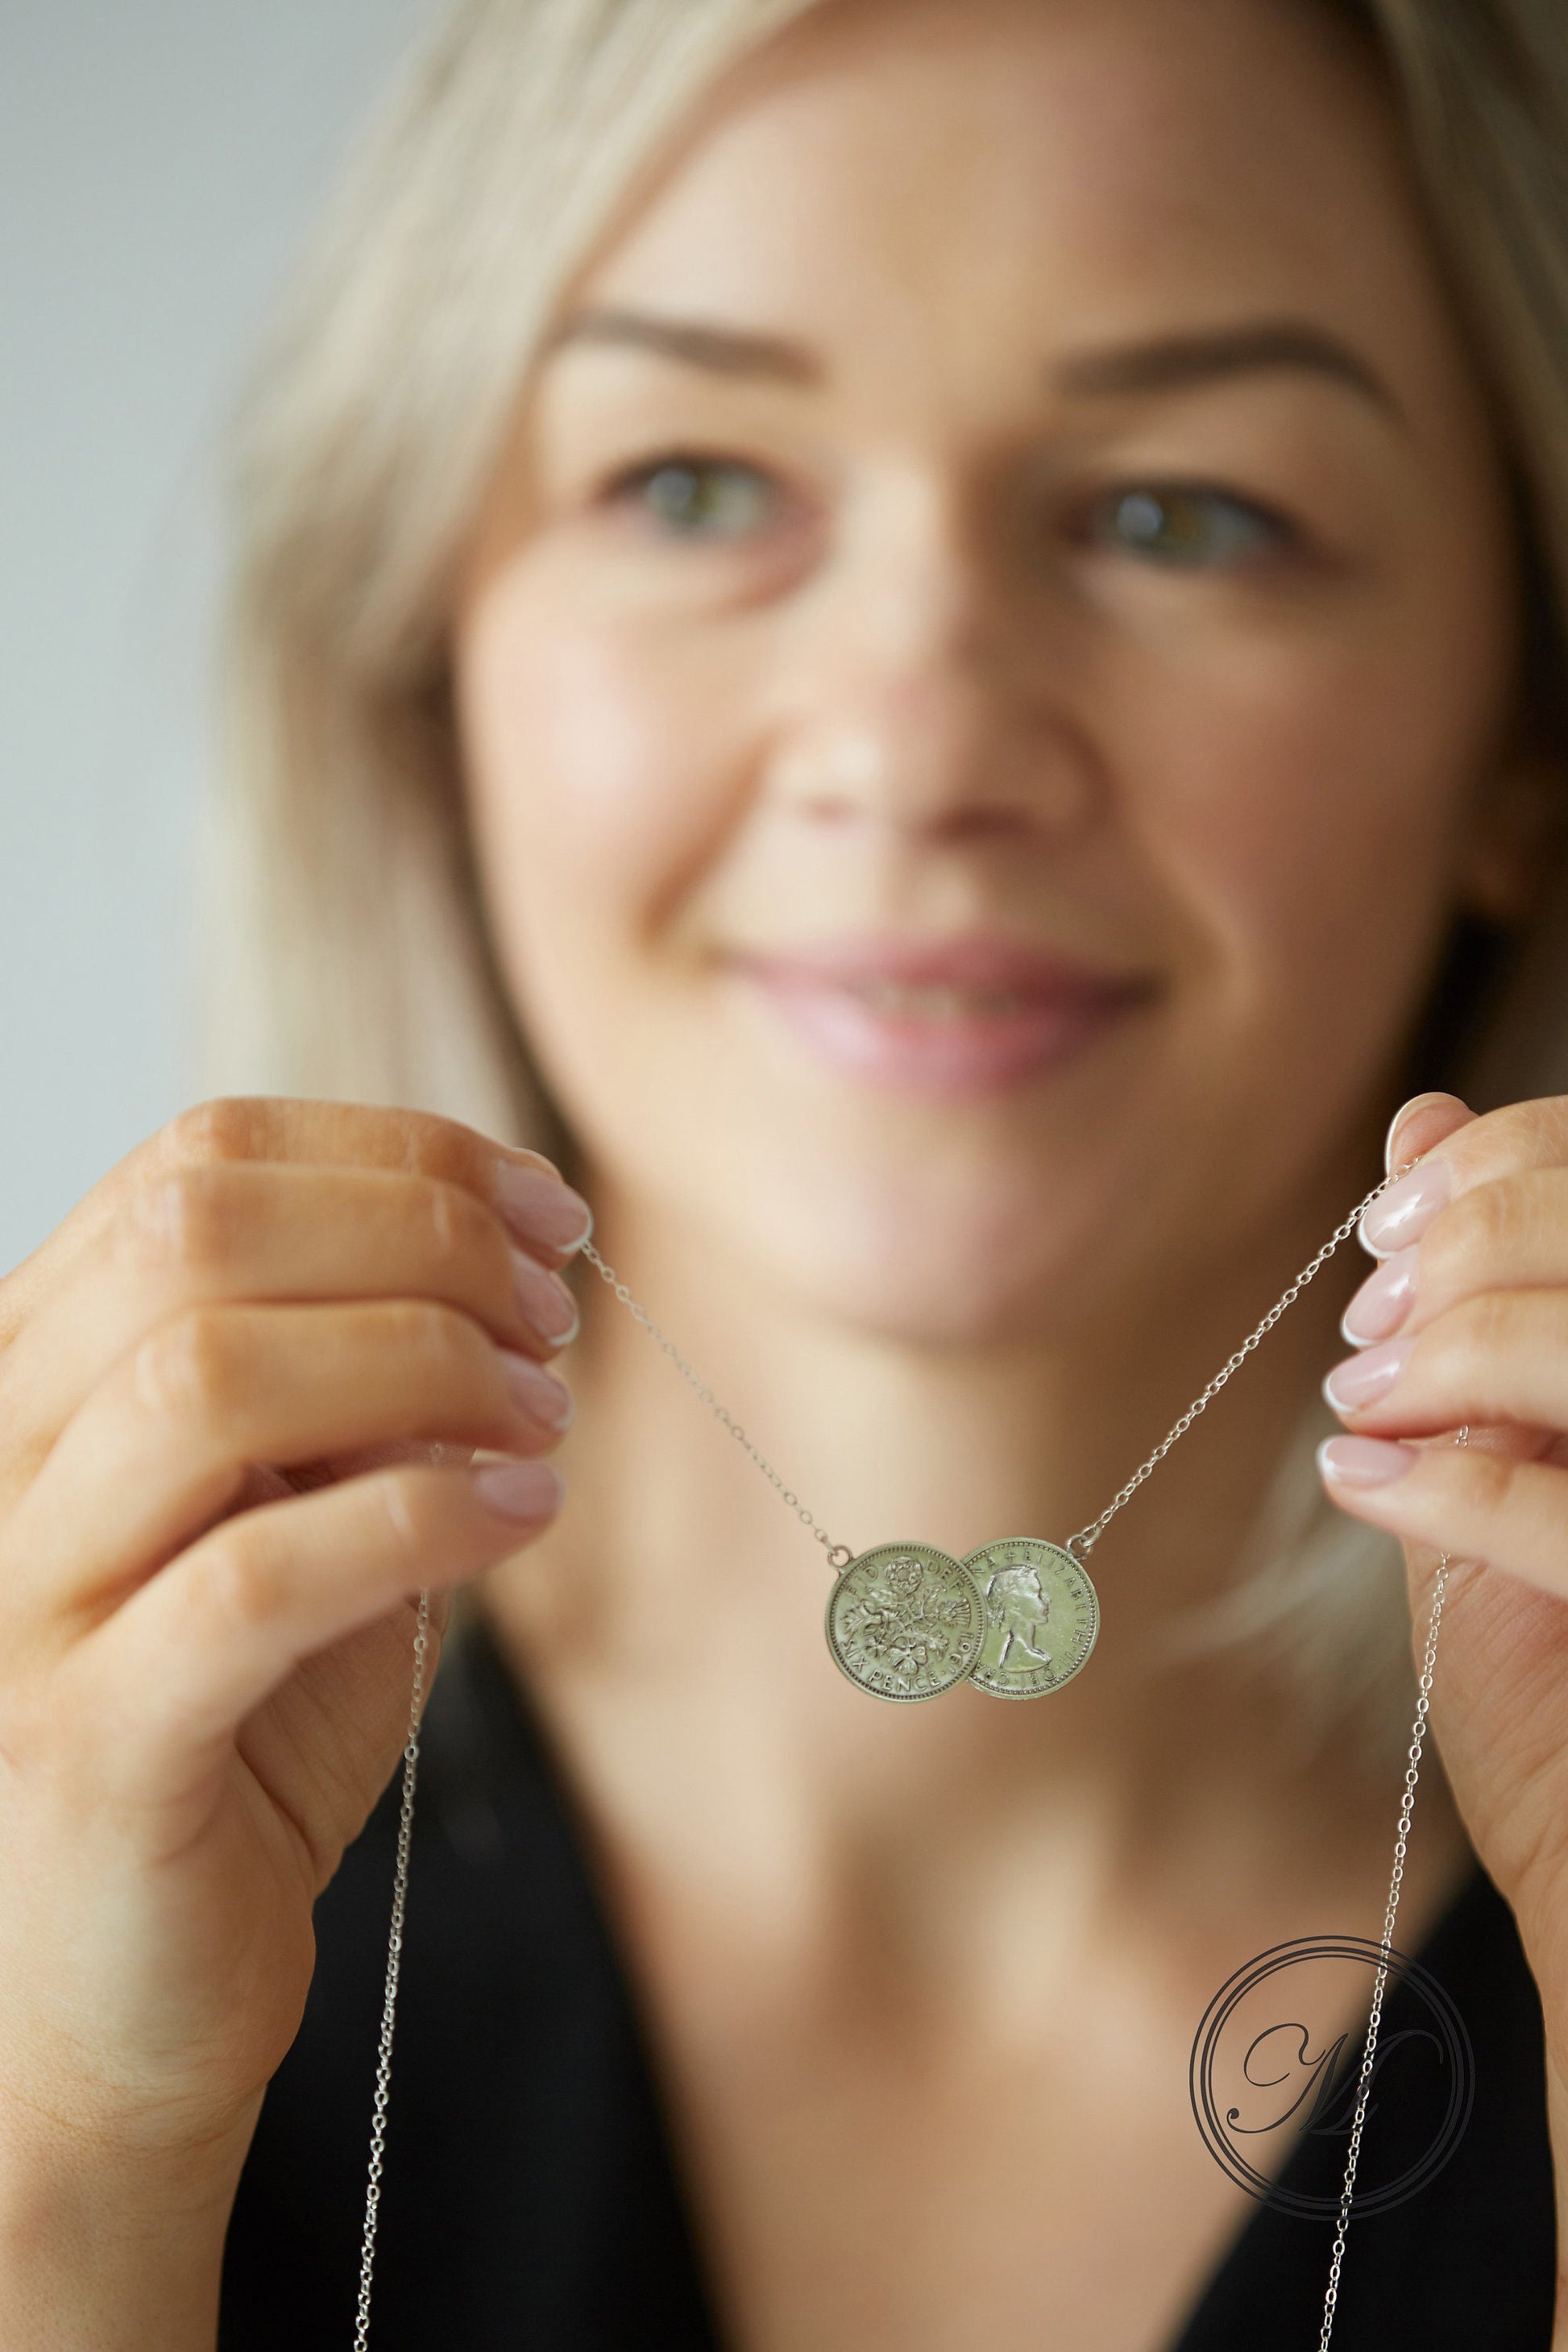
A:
[1022, 1214]
[925, 1255]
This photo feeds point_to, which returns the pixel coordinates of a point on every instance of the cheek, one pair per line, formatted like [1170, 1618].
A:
[1311, 827]
[602, 771]
[585, 752]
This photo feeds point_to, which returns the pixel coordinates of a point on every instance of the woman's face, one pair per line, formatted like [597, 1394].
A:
[982, 674]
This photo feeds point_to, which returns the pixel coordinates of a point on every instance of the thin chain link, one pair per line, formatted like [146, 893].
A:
[393, 1965]
[839, 1554]
[1396, 1880]
[1081, 1543]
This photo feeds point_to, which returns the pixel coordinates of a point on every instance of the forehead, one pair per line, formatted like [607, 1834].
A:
[1021, 171]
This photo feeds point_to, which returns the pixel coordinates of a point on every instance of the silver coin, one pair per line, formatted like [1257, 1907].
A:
[905, 1622]
[1042, 1614]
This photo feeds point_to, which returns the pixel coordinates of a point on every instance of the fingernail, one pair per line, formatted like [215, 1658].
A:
[1382, 1302]
[537, 1393]
[524, 1491]
[544, 1299]
[1395, 1166]
[1364, 1461]
[1395, 1124]
[1402, 1214]
[1360, 1380]
[540, 1207]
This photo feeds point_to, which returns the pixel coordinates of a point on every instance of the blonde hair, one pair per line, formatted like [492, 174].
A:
[346, 953]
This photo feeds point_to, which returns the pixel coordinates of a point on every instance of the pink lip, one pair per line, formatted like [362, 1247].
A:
[827, 996]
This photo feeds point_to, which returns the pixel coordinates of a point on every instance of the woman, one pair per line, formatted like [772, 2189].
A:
[930, 625]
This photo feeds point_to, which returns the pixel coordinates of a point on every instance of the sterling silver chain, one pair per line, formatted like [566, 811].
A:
[394, 1967]
[839, 1555]
[1395, 1882]
[1081, 1543]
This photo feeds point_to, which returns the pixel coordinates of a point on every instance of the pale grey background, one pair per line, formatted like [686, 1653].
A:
[159, 162]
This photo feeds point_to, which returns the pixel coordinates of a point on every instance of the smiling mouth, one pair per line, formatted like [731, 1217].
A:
[949, 1018]
[904, 1002]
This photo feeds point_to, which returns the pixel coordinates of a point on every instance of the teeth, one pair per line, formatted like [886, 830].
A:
[937, 1004]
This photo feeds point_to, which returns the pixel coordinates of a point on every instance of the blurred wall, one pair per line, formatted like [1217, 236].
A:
[159, 162]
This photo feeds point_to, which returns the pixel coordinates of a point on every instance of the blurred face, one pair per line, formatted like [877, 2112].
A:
[982, 672]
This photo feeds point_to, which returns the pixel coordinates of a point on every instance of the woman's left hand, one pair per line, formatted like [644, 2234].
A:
[1463, 1326]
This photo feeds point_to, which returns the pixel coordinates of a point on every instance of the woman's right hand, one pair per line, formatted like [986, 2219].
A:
[220, 1380]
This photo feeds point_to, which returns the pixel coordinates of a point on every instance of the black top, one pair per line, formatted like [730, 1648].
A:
[531, 2195]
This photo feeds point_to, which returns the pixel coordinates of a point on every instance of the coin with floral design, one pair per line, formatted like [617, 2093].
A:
[905, 1622]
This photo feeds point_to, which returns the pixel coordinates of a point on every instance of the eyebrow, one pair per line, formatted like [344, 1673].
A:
[1171, 362]
[1164, 363]
[722, 350]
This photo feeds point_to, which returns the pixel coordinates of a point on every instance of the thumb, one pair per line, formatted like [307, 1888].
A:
[1420, 1126]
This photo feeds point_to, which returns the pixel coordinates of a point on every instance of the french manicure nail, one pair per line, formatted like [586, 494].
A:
[544, 1300]
[1407, 1110]
[1382, 1302]
[1360, 1380]
[526, 1491]
[1364, 1461]
[536, 1393]
[1402, 1214]
[540, 1207]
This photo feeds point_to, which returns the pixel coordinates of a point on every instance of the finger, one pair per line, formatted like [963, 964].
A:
[1473, 1504]
[164, 1445]
[1499, 1358]
[1509, 1235]
[327, 1740]
[242, 1230]
[167, 1680]
[524, 1188]
[1503, 1143]
[1418, 1126]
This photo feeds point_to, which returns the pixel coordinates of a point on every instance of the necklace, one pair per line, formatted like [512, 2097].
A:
[1018, 1618]
[907, 1622]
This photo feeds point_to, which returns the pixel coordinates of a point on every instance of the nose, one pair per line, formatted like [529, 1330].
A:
[929, 697]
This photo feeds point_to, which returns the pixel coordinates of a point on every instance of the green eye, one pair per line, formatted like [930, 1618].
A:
[698, 498]
[1185, 527]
